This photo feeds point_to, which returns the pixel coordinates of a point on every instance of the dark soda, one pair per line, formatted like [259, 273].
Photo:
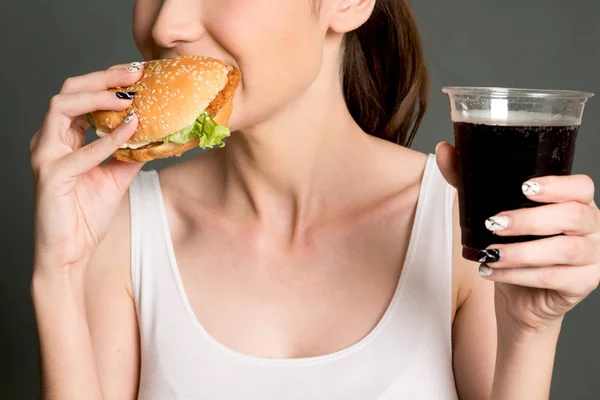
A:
[493, 163]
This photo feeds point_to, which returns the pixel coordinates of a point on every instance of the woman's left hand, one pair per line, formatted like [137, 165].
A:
[538, 282]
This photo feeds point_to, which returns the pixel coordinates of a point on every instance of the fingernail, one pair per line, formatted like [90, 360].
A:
[489, 256]
[497, 223]
[133, 69]
[485, 271]
[129, 117]
[126, 95]
[137, 64]
[531, 188]
[437, 147]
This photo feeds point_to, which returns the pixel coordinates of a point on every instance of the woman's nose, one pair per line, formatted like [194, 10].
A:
[179, 21]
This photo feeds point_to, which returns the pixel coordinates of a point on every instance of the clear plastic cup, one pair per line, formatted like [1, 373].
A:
[504, 138]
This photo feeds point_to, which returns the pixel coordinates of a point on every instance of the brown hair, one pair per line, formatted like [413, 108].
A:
[386, 86]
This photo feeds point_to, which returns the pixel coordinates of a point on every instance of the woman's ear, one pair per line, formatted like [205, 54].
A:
[350, 15]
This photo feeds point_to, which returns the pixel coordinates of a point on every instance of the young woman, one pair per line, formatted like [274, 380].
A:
[311, 258]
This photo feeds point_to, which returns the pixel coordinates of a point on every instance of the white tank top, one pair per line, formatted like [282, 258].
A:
[408, 354]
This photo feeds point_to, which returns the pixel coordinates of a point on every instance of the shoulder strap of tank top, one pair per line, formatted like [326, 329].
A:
[146, 223]
[429, 260]
[432, 229]
[157, 288]
[436, 200]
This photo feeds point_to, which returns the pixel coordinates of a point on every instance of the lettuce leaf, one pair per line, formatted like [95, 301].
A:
[208, 131]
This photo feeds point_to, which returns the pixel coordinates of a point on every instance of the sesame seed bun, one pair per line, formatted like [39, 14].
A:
[165, 150]
[171, 94]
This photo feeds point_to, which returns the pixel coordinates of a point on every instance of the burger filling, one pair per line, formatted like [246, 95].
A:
[204, 128]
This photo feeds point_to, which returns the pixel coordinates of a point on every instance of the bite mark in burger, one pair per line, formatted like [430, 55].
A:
[181, 103]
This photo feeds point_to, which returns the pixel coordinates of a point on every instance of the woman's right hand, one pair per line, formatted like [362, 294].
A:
[76, 198]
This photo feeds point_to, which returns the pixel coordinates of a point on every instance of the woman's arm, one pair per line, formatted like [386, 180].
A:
[490, 362]
[474, 329]
[67, 357]
[535, 284]
[524, 364]
[87, 324]
[111, 312]
[77, 198]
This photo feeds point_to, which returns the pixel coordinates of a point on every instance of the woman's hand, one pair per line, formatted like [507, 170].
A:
[538, 282]
[76, 198]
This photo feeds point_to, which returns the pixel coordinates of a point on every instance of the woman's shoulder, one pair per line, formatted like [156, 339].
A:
[398, 163]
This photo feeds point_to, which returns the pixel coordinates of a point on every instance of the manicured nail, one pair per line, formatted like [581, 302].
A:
[137, 64]
[489, 256]
[531, 188]
[485, 271]
[129, 117]
[133, 69]
[126, 95]
[497, 223]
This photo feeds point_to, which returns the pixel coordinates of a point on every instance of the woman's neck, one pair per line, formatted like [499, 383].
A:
[292, 169]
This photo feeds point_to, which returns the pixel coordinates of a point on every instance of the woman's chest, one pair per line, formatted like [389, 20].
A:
[260, 296]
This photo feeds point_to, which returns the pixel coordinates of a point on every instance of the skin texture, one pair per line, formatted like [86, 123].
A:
[299, 201]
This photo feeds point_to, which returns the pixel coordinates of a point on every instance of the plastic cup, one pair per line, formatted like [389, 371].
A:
[504, 139]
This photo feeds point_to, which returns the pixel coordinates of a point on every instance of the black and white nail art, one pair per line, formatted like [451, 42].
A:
[125, 95]
[137, 64]
[488, 256]
[497, 223]
[133, 69]
[531, 188]
[129, 117]
[485, 271]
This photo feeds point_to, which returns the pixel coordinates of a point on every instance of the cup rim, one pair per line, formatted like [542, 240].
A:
[512, 93]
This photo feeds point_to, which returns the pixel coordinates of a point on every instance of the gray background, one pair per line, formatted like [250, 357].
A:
[533, 43]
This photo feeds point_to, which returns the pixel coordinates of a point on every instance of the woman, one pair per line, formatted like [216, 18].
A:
[312, 257]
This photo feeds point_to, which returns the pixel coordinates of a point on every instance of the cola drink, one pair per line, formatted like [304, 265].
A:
[494, 163]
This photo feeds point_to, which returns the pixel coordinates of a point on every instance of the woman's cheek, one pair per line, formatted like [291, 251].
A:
[144, 15]
[277, 62]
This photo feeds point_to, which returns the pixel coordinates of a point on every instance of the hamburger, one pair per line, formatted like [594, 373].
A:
[181, 103]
